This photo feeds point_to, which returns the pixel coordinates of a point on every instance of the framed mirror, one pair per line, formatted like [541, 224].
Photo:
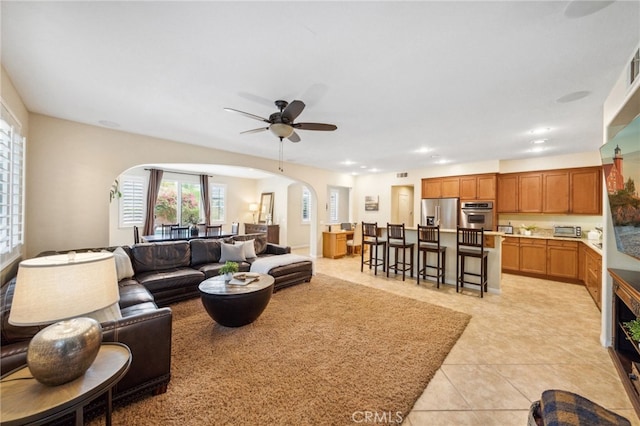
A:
[266, 207]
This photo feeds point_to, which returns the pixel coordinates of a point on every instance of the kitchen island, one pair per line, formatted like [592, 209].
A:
[493, 245]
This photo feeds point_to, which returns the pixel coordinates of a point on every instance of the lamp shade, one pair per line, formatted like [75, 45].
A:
[54, 288]
[253, 207]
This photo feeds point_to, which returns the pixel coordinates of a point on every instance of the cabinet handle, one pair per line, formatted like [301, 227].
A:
[633, 376]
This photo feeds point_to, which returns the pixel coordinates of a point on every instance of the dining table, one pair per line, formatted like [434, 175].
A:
[156, 238]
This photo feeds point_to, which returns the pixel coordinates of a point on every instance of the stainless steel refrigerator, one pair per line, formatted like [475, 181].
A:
[440, 211]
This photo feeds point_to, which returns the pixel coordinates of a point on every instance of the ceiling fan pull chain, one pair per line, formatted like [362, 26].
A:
[280, 157]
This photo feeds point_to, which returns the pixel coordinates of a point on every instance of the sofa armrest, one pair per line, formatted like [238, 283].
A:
[277, 249]
[13, 356]
[148, 336]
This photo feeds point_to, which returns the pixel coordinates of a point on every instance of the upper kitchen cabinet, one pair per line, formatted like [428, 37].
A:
[478, 187]
[447, 187]
[586, 191]
[565, 191]
[555, 192]
[530, 193]
[470, 187]
[507, 193]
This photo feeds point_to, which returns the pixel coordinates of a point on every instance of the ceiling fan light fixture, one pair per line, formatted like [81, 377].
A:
[281, 130]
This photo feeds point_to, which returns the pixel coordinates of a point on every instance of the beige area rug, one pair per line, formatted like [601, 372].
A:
[323, 353]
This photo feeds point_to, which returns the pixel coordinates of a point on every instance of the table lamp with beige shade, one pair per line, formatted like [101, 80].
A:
[253, 208]
[63, 288]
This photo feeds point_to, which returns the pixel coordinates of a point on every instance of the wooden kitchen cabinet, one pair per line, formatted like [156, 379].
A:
[555, 192]
[582, 262]
[593, 276]
[469, 188]
[530, 193]
[507, 193]
[511, 254]
[334, 244]
[432, 188]
[533, 255]
[586, 191]
[478, 187]
[562, 259]
[487, 187]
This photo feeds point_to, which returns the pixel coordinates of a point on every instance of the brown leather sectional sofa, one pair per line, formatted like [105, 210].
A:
[164, 273]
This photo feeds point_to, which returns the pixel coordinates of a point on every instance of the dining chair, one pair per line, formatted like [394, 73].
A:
[470, 243]
[370, 238]
[397, 241]
[356, 241]
[180, 232]
[235, 228]
[213, 230]
[166, 228]
[136, 235]
[429, 242]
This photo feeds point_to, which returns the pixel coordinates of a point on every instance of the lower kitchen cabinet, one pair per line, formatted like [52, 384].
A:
[562, 259]
[593, 276]
[334, 244]
[533, 255]
[511, 254]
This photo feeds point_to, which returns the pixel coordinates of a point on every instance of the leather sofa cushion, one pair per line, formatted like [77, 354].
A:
[303, 267]
[156, 281]
[205, 251]
[159, 256]
[133, 294]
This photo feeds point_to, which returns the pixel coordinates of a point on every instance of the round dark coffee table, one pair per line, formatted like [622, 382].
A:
[236, 305]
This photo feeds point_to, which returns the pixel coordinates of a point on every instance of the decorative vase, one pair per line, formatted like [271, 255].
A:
[527, 232]
[228, 276]
[194, 230]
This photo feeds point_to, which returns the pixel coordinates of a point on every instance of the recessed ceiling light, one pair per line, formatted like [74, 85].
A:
[363, 167]
[374, 170]
[354, 173]
[435, 156]
[540, 130]
[422, 150]
[537, 149]
[539, 141]
[348, 162]
[442, 161]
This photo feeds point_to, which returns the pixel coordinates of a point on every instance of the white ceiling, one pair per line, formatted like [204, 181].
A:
[465, 81]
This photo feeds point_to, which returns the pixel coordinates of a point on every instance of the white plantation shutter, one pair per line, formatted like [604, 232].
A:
[217, 201]
[306, 205]
[12, 150]
[132, 203]
[333, 205]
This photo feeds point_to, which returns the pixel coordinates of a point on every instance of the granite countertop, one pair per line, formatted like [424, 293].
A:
[547, 234]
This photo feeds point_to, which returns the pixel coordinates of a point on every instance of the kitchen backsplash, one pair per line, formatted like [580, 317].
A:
[547, 222]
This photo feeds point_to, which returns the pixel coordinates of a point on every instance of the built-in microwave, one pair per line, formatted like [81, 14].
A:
[567, 231]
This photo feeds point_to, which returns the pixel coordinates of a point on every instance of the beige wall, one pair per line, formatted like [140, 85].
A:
[71, 167]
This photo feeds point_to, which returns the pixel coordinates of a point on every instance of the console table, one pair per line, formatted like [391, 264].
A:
[272, 231]
[624, 352]
[25, 400]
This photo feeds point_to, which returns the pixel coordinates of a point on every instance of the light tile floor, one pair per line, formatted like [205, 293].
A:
[535, 335]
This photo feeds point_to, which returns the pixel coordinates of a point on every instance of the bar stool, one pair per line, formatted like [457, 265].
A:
[370, 238]
[470, 243]
[397, 241]
[429, 242]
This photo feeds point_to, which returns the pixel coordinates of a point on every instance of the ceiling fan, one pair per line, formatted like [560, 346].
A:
[282, 124]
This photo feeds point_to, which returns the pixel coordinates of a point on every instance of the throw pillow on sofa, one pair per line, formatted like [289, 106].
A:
[249, 249]
[124, 269]
[232, 253]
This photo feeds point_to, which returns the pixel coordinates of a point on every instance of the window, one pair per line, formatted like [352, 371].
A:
[132, 202]
[12, 146]
[167, 208]
[218, 195]
[306, 205]
[334, 195]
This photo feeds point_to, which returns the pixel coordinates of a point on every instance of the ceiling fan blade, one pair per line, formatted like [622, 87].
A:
[258, 130]
[294, 137]
[292, 111]
[315, 126]
[255, 117]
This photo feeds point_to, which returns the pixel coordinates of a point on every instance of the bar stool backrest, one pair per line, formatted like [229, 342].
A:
[370, 231]
[395, 231]
[471, 237]
[429, 234]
